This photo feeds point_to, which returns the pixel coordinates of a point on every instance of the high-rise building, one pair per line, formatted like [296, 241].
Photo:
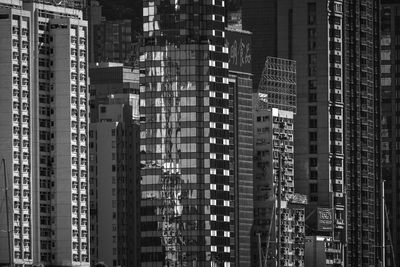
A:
[274, 165]
[112, 40]
[60, 134]
[16, 235]
[361, 58]
[320, 251]
[49, 74]
[321, 35]
[279, 213]
[114, 160]
[390, 64]
[113, 79]
[319, 121]
[241, 142]
[188, 181]
[260, 17]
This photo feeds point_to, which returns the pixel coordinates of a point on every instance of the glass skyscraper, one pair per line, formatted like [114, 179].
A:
[184, 92]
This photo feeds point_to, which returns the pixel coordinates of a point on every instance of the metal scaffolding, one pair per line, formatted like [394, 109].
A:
[277, 88]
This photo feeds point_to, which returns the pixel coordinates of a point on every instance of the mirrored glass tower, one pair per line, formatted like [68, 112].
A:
[184, 92]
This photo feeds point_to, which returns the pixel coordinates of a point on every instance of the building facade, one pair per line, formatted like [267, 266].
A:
[362, 132]
[320, 251]
[241, 142]
[390, 32]
[328, 82]
[187, 175]
[279, 213]
[114, 161]
[16, 142]
[260, 17]
[111, 40]
[274, 157]
[319, 120]
[50, 60]
[108, 79]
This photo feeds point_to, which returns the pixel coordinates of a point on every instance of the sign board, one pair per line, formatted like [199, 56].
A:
[239, 45]
[324, 219]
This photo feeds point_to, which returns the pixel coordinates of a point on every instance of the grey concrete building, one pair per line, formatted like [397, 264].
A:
[260, 17]
[114, 165]
[16, 209]
[338, 116]
[279, 212]
[390, 64]
[111, 40]
[241, 143]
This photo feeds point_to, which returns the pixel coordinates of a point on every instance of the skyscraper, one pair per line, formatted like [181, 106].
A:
[260, 17]
[186, 179]
[49, 74]
[241, 142]
[114, 35]
[361, 59]
[279, 211]
[390, 33]
[337, 114]
[16, 239]
[114, 160]
[60, 130]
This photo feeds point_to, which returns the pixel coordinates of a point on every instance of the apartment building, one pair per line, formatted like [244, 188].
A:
[49, 73]
[16, 229]
[338, 67]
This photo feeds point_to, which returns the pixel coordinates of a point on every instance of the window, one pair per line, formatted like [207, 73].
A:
[335, 59]
[312, 64]
[335, 33]
[313, 175]
[335, 162]
[313, 188]
[312, 13]
[313, 136]
[312, 110]
[336, 72]
[336, 123]
[312, 40]
[313, 162]
[313, 123]
[337, 7]
[336, 136]
[312, 97]
[312, 84]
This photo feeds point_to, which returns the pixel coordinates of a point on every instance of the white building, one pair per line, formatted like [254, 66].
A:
[15, 138]
[47, 72]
